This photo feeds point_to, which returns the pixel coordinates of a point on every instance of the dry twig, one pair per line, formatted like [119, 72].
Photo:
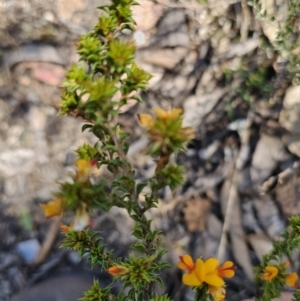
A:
[48, 242]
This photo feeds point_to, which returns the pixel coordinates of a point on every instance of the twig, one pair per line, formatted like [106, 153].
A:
[227, 219]
[48, 242]
[238, 165]
[280, 179]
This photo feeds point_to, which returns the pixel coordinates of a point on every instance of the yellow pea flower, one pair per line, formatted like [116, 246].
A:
[212, 275]
[291, 280]
[53, 208]
[227, 269]
[205, 271]
[218, 292]
[270, 273]
[186, 263]
[195, 277]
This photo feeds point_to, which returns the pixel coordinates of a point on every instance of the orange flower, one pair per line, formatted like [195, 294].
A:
[53, 208]
[291, 280]
[64, 229]
[270, 273]
[227, 269]
[186, 263]
[118, 270]
[218, 292]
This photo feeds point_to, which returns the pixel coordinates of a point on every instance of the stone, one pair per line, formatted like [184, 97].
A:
[34, 53]
[293, 143]
[268, 216]
[6, 260]
[28, 249]
[268, 152]
[285, 296]
[260, 243]
[62, 288]
[166, 58]
[13, 162]
[146, 14]
[197, 107]
[172, 29]
[290, 114]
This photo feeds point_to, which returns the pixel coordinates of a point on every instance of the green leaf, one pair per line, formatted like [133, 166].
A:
[86, 126]
[137, 232]
[164, 264]
[159, 281]
[140, 187]
[161, 253]
[110, 147]
[139, 247]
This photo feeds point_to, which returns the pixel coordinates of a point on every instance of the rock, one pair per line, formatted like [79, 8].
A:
[239, 49]
[285, 296]
[6, 260]
[28, 249]
[250, 222]
[74, 257]
[172, 29]
[146, 14]
[287, 195]
[48, 73]
[166, 58]
[16, 277]
[63, 288]
[260, 243]
[239, 125]
[197, 107]
[5, 288]
[293, 143]
[32, 53]
[269, 216]
[66, 10]
[13, 162]
[290, 114]
[211, 152]
[273, 8]
[268, 152]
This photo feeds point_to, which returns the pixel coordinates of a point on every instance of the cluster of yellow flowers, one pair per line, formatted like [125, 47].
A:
[207, 272]
[273, 271]
[166, 133]
[56, 207]
[164, 116]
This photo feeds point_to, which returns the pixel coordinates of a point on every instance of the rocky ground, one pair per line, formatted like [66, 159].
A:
[214, 59]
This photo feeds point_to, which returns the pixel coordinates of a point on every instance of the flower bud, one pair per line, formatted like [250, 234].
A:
[118, 270]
